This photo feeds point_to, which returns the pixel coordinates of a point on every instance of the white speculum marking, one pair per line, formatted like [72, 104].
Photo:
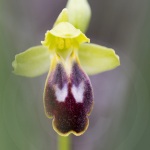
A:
[78, 92]
[61, 94]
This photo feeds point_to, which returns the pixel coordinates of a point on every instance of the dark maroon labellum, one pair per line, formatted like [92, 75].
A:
[69, 99]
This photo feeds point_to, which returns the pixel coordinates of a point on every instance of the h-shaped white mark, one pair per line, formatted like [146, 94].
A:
[61, 94]
[78, 92]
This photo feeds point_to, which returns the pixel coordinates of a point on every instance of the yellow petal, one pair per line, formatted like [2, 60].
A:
[96, 59]
[32, 62]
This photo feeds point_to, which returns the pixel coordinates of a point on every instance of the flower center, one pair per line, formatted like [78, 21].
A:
[63, 43]
[64, 36]
[58, 43]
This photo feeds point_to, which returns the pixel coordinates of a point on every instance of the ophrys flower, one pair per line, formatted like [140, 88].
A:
[68, 95]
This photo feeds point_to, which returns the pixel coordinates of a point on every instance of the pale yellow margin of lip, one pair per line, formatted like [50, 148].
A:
[52, 66]
[73, 132]
[88, 114]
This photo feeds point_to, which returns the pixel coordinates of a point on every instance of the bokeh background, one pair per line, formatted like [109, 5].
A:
[121, 116]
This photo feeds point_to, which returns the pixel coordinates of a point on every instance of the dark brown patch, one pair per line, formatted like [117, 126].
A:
[69, 115]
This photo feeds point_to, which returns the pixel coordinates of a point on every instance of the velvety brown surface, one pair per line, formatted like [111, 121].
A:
[69, 115]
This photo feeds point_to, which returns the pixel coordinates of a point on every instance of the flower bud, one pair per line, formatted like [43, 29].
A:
[79, 13]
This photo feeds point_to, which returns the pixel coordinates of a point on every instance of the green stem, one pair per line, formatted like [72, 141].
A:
[64, 143]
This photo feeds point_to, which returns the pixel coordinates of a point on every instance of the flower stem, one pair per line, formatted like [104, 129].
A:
[64, 143]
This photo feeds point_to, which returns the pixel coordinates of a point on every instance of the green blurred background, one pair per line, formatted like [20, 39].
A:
[121, 116]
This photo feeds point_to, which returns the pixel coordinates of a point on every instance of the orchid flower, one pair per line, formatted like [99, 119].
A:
[67, 55]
